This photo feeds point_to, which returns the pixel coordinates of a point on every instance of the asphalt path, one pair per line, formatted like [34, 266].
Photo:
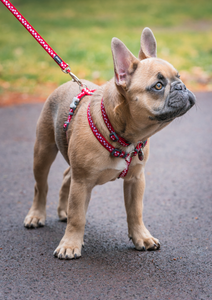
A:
[177, 210]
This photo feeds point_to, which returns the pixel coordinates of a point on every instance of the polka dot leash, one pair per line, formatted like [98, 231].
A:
[63, 65]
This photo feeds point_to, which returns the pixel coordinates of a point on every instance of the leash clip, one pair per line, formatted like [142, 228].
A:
[76, 79]
[67, 70]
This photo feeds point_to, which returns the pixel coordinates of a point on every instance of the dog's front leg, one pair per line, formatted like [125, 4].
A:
[133, 195]
[72, 241]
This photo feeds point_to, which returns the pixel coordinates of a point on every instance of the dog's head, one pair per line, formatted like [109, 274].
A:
[151, 86]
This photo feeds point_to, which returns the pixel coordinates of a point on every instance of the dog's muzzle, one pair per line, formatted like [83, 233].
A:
[179, 95]
[178, 102]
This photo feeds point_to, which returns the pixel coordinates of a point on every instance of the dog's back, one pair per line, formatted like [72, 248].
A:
[55, 112]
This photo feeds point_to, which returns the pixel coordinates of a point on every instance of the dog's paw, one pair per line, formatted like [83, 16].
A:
[62, 214]
[149, 244]
[143, 240]
[34, 220]
[68, 250]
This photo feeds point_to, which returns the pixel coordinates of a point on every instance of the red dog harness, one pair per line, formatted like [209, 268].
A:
[114, 137]
[74, 103]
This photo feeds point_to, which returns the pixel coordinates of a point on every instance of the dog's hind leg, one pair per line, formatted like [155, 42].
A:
[45, 151]
[63, 196]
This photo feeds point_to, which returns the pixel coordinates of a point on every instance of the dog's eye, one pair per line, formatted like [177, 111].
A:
[158, 86]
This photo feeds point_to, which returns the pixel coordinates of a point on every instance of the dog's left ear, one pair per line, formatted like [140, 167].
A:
[148, 44]
[125, 63]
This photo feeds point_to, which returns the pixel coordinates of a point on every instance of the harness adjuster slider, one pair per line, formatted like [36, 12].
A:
[114, 137]
[75, 101]
[65, 126]
[116, 152]
[73, 106]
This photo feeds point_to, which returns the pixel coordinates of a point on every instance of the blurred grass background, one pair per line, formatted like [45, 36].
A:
[80, 31]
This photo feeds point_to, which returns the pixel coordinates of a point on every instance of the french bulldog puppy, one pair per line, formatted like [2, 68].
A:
[145, 95]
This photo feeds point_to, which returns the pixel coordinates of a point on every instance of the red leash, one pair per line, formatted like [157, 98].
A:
[63, 65]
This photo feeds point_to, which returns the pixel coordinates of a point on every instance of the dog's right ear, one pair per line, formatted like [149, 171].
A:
[148, 44]
[125, 63]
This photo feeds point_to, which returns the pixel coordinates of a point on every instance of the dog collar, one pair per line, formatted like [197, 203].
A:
[113, 135]
[114, 151]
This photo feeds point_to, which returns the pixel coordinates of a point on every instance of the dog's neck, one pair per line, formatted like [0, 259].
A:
[117, 109]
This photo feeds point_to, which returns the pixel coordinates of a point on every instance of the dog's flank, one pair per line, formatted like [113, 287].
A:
[145, 95]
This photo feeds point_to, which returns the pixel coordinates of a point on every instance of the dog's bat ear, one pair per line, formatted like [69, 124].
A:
[125, 63]
[148, 44]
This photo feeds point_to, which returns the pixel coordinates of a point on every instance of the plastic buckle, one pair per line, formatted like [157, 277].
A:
[114, 137]
[114, 151]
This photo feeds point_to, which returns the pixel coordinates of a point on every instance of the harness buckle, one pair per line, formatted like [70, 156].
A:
[116, 152]
[114, 137]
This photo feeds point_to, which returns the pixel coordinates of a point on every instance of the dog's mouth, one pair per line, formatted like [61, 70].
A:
[178, 102]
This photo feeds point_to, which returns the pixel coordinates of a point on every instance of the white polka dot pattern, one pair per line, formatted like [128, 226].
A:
[34, 33]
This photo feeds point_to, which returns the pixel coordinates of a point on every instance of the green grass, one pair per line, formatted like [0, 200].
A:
[80, 32]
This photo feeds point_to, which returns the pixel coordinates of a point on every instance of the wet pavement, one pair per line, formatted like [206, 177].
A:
[177, 211]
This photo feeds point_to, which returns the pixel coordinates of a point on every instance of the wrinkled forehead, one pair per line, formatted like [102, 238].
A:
[157, 68]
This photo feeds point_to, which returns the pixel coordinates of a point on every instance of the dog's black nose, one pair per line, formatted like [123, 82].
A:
[178, 85]
[179, 95]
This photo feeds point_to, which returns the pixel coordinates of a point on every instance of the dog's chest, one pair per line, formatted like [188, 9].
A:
[120, 165]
